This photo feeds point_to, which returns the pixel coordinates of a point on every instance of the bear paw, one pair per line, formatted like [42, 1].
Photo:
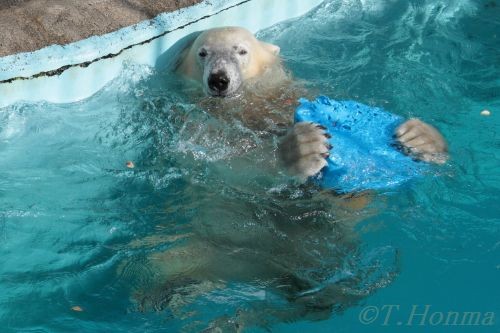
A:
[422, 141]
[304, 149]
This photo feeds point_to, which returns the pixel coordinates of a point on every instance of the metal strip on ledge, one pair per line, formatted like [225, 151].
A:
[69, 73]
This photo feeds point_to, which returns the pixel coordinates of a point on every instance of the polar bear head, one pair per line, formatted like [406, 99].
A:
[223, 58]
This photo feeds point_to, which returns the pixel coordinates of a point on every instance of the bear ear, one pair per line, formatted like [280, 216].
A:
[274, 49]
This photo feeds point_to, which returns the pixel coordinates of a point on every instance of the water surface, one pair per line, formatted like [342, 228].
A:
[203, 232]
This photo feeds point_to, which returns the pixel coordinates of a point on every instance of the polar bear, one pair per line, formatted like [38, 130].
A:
[224, 59]
[242, 75]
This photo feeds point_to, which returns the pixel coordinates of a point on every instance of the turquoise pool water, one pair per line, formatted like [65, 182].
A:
[202, 233]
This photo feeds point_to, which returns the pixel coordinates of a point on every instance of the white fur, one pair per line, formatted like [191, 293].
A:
[237, 53]
[224, 48]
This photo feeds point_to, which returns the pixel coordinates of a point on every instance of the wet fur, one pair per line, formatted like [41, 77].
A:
[202, 261]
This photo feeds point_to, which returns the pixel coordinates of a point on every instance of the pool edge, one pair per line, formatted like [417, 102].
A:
[76, 71]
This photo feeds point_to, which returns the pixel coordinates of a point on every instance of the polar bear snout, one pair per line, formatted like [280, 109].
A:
[222, 75]
[219, 82]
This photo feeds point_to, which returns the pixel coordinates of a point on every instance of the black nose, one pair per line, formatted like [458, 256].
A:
[218, 81]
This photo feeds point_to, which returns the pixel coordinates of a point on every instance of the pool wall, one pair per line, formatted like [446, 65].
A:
[72, 72]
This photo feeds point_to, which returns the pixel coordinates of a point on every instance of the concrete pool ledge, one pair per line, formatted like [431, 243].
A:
[72, 72]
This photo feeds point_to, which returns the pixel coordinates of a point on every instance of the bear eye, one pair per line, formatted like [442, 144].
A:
[203, 53]
[242, 52]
